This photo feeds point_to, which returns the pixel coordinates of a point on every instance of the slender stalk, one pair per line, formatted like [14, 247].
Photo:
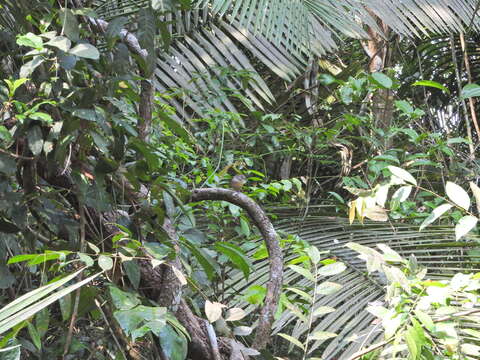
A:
[464, 105]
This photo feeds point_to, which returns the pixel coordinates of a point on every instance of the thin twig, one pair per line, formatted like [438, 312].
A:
[110, 328]
[77, 292]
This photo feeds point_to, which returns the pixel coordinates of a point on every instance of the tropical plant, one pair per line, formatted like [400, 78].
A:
[123, 121]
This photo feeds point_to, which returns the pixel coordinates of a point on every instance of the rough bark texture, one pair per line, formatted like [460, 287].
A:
[376, 48]
[256, 213]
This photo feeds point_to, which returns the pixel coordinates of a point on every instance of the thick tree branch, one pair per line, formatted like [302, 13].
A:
[267, 230]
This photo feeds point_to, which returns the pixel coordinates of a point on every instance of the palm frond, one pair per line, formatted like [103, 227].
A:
[434, 248]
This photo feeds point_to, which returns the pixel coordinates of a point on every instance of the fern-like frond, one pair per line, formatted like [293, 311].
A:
[434, 248]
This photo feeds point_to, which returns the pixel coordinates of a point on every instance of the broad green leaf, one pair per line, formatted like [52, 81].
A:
[113, 30]
[412, 343]
[105, 262]
[86, 51]
[245, 227]
[465, 224]
[292, 340]
[457, 195]
[14, 85]
[436, 213]
[209, 265]
[313, 254]
[70, 28]
[29, 67]
[425, 319]
[302, 293]
[328, 288]
[302, 271]
[389, 254]
[332, 269]
[255, 294]
[38, 115]
[60, 42]
[402, 193]
[123, 300]
[30, 40]
[404, 106]
[42, 320]
[32, 331]
[433, 84]
[470, 90]
[382, 80]
[236, 255]
[173, 344]
[86, 259]
[132, 270]
[457, 140]
[402, 174]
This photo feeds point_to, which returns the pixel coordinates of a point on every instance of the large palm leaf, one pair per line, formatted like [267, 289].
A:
[282, 35]
[435, 249]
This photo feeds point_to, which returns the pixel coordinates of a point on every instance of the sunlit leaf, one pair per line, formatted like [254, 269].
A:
[465, 225]
[457, 195]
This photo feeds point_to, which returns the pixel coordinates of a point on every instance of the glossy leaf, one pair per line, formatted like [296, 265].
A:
[465, 225]
[436, 213]
[457, 195]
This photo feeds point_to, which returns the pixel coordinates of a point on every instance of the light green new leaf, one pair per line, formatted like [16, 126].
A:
[292, 340]
[302, 271]
[436, 213]
[457, 195]
[433, 84]
[465, 224]
[402, 174]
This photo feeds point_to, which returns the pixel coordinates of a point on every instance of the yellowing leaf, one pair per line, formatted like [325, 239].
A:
[213, 310]
[179, 275]
[476, 193]
[235, 314]
[351, 211]
[402, 174]
[376, 213]
[457, 195]
[465, 224]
